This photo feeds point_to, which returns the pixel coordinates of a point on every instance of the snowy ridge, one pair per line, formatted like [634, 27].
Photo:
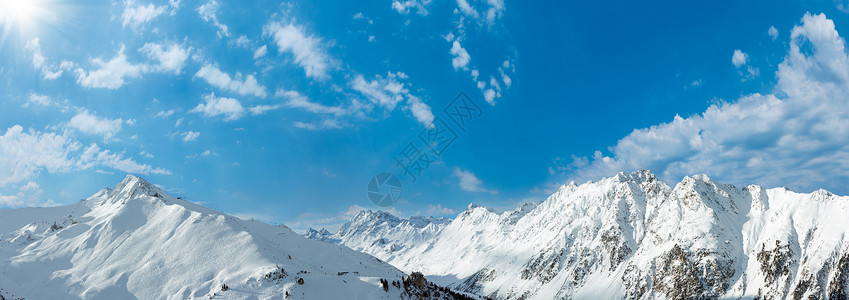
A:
[137, 242]
[633, 236]
[381, 232]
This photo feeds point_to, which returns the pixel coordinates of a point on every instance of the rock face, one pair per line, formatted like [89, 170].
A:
[137, 242]
[632, 236]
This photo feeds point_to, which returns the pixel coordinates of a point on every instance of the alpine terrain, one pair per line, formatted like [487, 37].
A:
[137, 242]
[628, 236]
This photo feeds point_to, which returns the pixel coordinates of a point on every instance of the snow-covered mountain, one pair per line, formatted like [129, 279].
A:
[381, 232]
[630, 236]
[137, 242]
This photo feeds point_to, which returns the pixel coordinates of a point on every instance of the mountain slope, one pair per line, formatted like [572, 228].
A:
[135, 241]
[632, 236]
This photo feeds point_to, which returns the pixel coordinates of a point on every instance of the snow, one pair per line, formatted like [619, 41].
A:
[136, 241]
[627, 236]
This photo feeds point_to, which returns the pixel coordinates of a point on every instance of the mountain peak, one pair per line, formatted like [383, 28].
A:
[641, 175]
[133, 186]
[369, 217]
[822, 195]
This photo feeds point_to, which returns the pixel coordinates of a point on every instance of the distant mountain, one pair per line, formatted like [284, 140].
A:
[630, 236]
[137, 242]
[380, 232]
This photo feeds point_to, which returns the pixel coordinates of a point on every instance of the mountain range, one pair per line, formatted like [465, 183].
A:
[630, 236]
[135, 241]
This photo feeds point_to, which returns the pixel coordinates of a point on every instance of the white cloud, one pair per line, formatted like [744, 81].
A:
[449, 37]
[34, 45]
[207, 13]
[352, 211]
[261, 109]
[306, 50]
[24, 154]
[492, 10]
[384, 91]
[489, 95]
[39, 61]
[230, 108]
[215, 106]
[773, 32]
[461, 60]
[296, 100]
[146, 154]
[739, 58]
[796, 137]
[10, 201]
[309, 126]
[202, 154]
[260, 52]
[842, 5]
[137, 14]
[325, 124]
[506, 79]
[165, 113]
[110, 74]
[189, 136]
[27, 195]
[404, 7]
[469, 182]
[360, 16]
[389, 91]
[247, 86]
[696, 83]
[39, 100]
[420, 110]
[494, 83]
[461, 57]
[439, 210]
[65, 65]
[171, 57]
[93, 156]
[90, 124]
[30, 186]
[467, 9]
[243, 41]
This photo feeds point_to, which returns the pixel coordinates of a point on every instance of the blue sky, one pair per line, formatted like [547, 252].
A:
[283, 111]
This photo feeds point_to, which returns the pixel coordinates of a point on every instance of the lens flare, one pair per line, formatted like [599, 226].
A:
[20, 17]
[17, 12]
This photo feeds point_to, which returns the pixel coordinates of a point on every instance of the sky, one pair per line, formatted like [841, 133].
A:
[284, 111]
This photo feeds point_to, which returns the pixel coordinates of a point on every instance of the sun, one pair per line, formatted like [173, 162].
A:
[21, 17]
[18, 12]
